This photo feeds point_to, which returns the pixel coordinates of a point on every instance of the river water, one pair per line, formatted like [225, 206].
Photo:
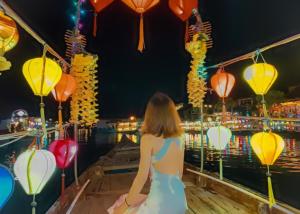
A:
[240, 165]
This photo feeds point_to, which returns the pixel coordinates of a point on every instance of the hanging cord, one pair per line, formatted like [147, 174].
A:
[33, 205]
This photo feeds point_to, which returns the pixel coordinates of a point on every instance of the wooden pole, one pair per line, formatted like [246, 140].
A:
[75, 160]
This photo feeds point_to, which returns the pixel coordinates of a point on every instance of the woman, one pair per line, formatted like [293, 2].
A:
[162, 157]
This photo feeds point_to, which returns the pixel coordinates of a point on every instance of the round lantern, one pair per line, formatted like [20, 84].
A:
[98, 6]
[7, 183]
[219, 137]
[267, 146]
[42, 77]
[64, 152]
[62, 91]
[34, 168]
[9, 38]
[222, 82]
[42, 74]
[9, 35]
[183, 8]
[141, 7]
[260, 77]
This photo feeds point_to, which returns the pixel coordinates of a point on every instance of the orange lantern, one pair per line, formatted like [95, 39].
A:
[183, 8]
[62, 91]
[141, 7]
[222, 82]
[98, 6]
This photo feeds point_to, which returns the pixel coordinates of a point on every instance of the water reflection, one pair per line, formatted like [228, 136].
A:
[239, 152]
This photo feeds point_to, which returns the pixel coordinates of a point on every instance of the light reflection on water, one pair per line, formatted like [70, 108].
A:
[239, 152]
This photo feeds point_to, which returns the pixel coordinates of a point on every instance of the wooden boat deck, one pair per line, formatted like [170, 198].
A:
[113, 175]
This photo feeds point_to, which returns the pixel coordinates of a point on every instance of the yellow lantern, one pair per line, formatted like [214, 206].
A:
[34, 168]
[260, 77]
[9, 37]
[42, 79]
[267, 146]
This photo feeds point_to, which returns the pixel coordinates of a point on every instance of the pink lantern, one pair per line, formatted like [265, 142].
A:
[64, 152]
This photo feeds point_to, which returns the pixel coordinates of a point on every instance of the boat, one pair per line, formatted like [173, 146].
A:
[112, 175]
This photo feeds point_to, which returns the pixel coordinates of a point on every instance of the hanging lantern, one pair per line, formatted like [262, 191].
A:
[260, 77]
[98, 6]
[141, 7]
[219, 137]
[267, 146]
[42, 74]
[183, 8]
[9, 38]
[42, 80]
[222, 82]
[7, 183]
[64, 152]
[62, 91]
[34, 168]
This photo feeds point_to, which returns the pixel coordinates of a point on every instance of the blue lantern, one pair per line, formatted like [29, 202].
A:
[7, 184]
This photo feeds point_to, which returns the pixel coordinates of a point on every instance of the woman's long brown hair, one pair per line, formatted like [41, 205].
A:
[161, 117]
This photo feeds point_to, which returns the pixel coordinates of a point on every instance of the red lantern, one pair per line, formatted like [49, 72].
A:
[222, 82]
[98, 6]
[183, 8]
[141, 7]
[64, 152]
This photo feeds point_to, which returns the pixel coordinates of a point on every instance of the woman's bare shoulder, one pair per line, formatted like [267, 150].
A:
[148, 138]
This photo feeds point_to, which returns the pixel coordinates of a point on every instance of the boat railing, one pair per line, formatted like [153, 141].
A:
[246, 192]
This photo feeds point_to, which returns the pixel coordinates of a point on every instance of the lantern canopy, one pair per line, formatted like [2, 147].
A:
[222, 82]
[41, 84]
[260, 77]
[7, 183]
[141, 7]
[64, 152]
[183, 8]
[219, 137]
[33, 169]
[64, 88]
[267, 146]
[9, 35]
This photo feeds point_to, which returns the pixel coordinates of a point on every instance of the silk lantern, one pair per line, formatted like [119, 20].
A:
[260, 77]
[222, 82]
[141, 7]
[62, 91]
[7, 184]
[64, 152]
[267, 146]
[219, 137]
[42, 74]
[33, 169]
[9, 38]
[98, 6]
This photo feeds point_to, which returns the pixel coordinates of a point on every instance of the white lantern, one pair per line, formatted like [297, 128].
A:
[219, 137]
[33, 169]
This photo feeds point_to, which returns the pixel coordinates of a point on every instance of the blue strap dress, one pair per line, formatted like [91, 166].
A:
[166, 194]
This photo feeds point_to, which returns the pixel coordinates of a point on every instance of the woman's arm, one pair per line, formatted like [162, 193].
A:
[142, 175]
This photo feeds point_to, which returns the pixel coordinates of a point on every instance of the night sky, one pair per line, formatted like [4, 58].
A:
[128, 78]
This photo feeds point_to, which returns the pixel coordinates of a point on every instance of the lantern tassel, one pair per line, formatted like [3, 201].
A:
[141, 45]
[95, 24]
[62, 186]
[60, 127]
[33, 205]
[186, 36]
[42, 112]
[270, 190]
[221, 168]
